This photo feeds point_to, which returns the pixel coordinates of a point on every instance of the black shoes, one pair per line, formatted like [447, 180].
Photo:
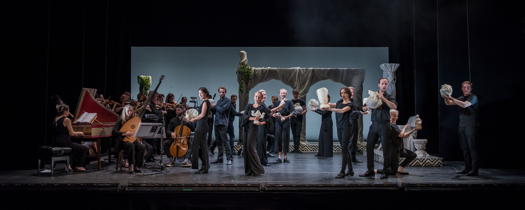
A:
[286, 161]
[465, 171]
[402, 173]
[340, 176]
[202, 171]
[367, 174]
[383, 176]
[473, 173]
[217, 162]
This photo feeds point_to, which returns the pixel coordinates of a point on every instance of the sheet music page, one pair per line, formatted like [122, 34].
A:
[86, 117]
[80, 119]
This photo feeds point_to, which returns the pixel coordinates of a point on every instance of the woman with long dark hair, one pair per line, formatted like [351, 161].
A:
[63, 132]
[200, 145]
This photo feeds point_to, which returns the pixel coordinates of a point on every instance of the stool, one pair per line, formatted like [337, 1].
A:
[53, 155]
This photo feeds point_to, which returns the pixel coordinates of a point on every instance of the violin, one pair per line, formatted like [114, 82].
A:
[181, 136]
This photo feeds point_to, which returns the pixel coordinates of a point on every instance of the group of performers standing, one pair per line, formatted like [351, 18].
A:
[267, 130]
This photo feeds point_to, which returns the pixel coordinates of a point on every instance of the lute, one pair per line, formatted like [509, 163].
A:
[133, 124]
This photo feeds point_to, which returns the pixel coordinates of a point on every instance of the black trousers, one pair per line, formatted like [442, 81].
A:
[343, 133]
[297, 127]
[167, 144]
[200, 151]
[270, 139]
[149, 151]
[231, 134]
[405, 153]
[379, 131]
[78, 155]
[223, 143]
[468, 144]
[353, 138]
[210, 131]
[215, 142]
[134, 151]
[282, 135]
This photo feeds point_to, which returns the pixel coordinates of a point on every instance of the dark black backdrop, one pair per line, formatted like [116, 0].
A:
[61, 46]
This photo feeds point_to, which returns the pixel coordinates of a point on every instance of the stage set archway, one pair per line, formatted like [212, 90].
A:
[300, 79]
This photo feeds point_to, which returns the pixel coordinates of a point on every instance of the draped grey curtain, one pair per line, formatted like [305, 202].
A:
[302, 79]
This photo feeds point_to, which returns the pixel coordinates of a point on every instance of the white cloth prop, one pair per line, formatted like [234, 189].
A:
[297, 109]
[322, 95]
[257, 114]
[313, 103]
[373, 101]
[191, 113]
[446, 90]
[415, 122]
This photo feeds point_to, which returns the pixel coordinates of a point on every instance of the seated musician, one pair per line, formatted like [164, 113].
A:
[174, 122]
[184, 103]
[63, 132]
[125, 99]
[169, 106]
[153, 113]
[133, 151]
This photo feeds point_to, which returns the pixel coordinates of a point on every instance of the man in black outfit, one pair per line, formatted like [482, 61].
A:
[222, 116]
[379, 130]
[467, 127]
[296, 121]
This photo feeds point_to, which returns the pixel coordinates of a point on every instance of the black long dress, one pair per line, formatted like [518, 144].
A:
[344, 129]
[326, 140]
[200, 143]
[79, 152]
[262, 138]
[252, 163]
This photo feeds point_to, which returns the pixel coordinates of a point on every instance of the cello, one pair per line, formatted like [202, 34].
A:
[181, 136]
[133, 124]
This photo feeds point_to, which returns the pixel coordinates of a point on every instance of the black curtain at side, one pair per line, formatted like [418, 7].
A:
[58, 47]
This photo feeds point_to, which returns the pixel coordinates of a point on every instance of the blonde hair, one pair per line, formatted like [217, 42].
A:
[394, 111]
[124, 113]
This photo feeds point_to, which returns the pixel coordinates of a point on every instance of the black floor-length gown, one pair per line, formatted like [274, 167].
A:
[326, 140]
[252, 163]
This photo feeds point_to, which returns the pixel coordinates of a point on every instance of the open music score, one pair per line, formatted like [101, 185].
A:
[86, 118]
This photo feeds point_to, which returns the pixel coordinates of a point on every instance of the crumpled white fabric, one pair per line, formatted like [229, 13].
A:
[373, 101]
[446, 90]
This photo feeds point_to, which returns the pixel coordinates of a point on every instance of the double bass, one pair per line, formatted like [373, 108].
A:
[133, 124]
[181, 136]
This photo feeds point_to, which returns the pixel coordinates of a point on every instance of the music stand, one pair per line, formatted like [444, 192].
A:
[150, 130]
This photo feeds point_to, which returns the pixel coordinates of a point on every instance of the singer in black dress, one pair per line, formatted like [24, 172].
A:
[326, 140]
[200, 144]
[252, 163]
